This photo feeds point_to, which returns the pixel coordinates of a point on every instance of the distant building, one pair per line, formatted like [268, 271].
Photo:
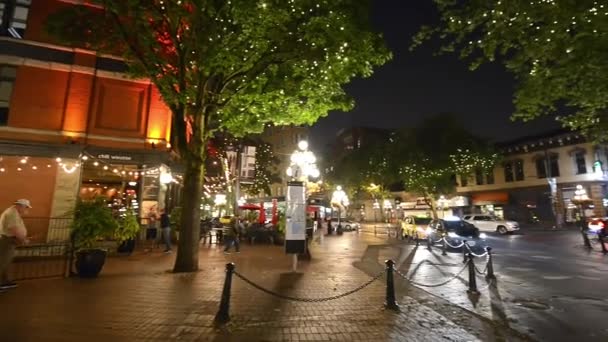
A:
[538, 177]
[284, 141]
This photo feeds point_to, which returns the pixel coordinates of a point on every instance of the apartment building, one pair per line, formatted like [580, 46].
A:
[538, 176]
[72, 124]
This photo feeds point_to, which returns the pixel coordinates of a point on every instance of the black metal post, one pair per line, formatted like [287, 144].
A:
[490, 275]
[584, 228]
[600, 237]
[444, 247]
[72, 251]
[464, 251]
[416, 237]
[223, 314]
[390, 303]
[472, 278]
[429, 242]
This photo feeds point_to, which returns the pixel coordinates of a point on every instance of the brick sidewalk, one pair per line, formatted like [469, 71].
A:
[136, 299]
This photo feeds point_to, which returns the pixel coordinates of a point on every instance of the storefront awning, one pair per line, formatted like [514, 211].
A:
[495, 197]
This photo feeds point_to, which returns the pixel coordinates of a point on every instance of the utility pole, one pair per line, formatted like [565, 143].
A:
[553, 190]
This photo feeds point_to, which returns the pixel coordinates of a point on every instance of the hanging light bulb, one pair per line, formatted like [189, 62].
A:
[58, 160]
[105, 167]
[96, 163]
[2, 169]
[18, 169]
[23, 160]
[34, 167]
[48, 165]
[85, 158]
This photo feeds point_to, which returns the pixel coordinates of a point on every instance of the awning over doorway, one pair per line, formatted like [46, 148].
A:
[493, 197]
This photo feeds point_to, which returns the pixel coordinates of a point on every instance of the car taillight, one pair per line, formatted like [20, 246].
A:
[601, 224]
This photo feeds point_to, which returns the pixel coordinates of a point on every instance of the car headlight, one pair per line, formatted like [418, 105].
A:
[428, 230]
[452, 234]
[483, 236]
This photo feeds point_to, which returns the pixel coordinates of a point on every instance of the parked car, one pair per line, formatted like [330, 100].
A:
[347, 225]
[489, 223]
[413, 226]
[455, 229]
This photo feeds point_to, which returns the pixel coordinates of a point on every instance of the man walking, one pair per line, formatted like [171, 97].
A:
[165, 225]
[12, 232]
[232, 235]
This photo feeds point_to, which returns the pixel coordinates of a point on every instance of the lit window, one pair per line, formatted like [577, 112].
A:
[16, 12]
[7, 81]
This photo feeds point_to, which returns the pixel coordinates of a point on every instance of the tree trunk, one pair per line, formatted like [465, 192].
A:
[187, 252]
[429, 198]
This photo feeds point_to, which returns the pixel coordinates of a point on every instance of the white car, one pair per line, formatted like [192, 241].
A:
[489, 223]
[347, 225]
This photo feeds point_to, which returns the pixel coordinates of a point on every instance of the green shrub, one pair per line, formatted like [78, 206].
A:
[128, 227]
[93, 220]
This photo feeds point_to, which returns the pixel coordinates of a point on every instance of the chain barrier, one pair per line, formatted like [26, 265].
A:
[308, 300]
[485, 271]
[455, 247]
[476, 255]
[432, 285]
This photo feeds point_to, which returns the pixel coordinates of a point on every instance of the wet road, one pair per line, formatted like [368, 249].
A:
[552, 286]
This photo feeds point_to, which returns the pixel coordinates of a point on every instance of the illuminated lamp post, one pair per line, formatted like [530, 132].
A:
[340, 199]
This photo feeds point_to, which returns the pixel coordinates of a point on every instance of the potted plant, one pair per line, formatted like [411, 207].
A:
[279, 236]
[93, 220]
[127, 230]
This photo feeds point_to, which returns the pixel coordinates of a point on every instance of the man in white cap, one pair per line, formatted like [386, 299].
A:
[12, 232]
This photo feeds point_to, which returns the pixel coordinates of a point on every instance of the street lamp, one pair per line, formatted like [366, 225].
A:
[303, 163]
[581, 199]
[340, 199]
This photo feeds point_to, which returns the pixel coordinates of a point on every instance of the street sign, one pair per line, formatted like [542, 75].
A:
[295, 214]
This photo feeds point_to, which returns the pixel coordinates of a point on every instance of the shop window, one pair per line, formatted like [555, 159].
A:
[13, 17]
[579, 159]
[478, 177]
[508, 166]
[541, 167]
[7, 81]
[490, 177]
[519, 170]
[464, 180]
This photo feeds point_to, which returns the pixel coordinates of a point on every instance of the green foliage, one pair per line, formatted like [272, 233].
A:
[556, 49]
[93, 220]
[282, 223]
[265, 161]
[430, 156]
[231, 65]
[128, 227]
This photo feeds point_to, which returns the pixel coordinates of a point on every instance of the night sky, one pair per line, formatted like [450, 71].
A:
[416, 84]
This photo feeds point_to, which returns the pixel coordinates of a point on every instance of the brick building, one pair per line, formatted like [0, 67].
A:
[72, 124]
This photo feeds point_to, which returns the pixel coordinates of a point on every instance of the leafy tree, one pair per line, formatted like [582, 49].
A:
[557, 49]
[429, 157]
[233, 65]
[264, 174]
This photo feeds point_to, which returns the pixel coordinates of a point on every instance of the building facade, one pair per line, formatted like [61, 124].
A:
[72, 124]
[537, 178]
[284, 141]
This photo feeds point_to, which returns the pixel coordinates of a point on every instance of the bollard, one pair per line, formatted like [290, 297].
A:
[490, 275]
[464, 251]
[416, 237]
[390, 303]
[223, 314]
[444, 247]
[600, 237]
[375, 229]
[585, 238]
[472, 278]
[428, 242]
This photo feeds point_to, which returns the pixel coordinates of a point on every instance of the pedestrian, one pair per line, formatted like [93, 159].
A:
[12, 233]
[165, 225]
[232, 235]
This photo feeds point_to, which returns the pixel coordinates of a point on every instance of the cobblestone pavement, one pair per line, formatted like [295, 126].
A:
[137, 299]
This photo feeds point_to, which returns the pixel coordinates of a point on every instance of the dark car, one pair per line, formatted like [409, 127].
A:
[455, 231]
